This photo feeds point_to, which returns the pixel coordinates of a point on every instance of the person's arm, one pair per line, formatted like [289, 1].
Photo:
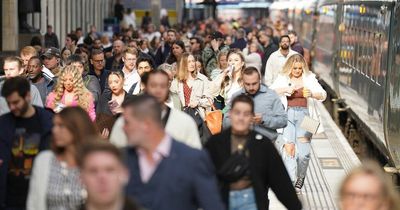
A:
[276, 117]
[279, 180]
[268, 73]
[205, 183]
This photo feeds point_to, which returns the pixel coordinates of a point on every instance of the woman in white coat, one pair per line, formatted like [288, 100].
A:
[55, 182]
[298, 89]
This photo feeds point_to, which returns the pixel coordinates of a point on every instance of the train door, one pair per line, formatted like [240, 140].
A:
[392, 122]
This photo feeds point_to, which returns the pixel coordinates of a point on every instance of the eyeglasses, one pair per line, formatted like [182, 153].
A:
[98, 61]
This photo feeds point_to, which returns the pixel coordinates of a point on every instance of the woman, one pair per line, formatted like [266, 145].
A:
[70, 91]
[253, 56]
[191, 86]
[55, 180]
[229, 81]
[298, 89]
[65, 53]
[178, 48]
[199, 65]
[258, 163]
[369, 188]
[222, 59]
[109, 106]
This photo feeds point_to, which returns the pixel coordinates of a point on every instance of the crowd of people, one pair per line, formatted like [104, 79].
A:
[120, 122]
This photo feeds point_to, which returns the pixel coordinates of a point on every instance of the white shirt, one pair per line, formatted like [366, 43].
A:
[274, 65]
[130, 79]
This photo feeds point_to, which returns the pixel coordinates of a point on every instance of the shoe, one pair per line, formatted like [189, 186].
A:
[299, 184]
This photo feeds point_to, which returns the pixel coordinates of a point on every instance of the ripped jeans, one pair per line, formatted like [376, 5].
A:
[297, 165]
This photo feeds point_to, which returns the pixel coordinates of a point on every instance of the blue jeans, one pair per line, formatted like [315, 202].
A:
[242, 200]
[297, 165]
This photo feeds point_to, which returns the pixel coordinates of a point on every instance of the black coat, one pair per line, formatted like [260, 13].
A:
[266, 168]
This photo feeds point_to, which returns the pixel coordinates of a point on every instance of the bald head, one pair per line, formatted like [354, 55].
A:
[118, 47]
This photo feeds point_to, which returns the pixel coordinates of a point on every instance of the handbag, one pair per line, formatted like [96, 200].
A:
[309, 124]
[236, 167]
[214, 119]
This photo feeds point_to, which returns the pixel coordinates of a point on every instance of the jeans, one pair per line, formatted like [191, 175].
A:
[297, 165]
[242, 200]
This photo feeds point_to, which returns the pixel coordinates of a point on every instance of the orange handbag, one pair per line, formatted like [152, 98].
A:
[214, 119]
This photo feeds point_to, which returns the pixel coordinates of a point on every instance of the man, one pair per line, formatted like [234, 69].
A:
[144, 64]
[240, 42]
[115, 62]
[79, 34]
[294, 43]
[97, 68]
[51, 59]
[165, 48]
[13, 68]
[265, 167]
[27, 53]
[269, 111]
[25, 131]
[277, 60]
[131, 75]
[268, 48]
[91, 82]
[196, 45]
[104, 176]
[36, 77]
[71, 42]
[165, 174]
[50, 38]
[210, 53]
[157, 84]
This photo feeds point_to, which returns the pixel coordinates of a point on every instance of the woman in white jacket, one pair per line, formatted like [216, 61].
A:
[298, 89]
[55, 180]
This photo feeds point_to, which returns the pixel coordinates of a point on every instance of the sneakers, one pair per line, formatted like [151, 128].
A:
[298, 185]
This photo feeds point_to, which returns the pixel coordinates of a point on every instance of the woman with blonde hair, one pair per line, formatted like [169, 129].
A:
[369, 188]
[299, 89]
[191, 86]
[71, 91]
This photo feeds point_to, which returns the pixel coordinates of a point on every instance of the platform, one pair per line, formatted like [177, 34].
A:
[331, 159]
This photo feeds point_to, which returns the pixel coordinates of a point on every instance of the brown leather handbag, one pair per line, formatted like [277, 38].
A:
[213, 119]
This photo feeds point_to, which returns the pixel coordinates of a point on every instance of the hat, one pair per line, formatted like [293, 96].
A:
[217, 35]
[51, 52]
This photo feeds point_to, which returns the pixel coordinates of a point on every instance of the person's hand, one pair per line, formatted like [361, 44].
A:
[306, 93]
[289, 148]
[289, 90]
[114, 107]
[257, 119]
[194, 104]
[105, 133]
[215, 44]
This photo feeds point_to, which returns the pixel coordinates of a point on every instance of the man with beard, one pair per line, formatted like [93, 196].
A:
[115, 62]
[25, 131]
[277, 60]
[131, 75]
[163, 51]
[157, 84]
[43, 84]
[269, 111]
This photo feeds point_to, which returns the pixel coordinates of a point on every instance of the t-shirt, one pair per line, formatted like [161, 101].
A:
[25, 147]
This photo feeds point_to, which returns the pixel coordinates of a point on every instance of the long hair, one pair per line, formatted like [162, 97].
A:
[227, 80]
[171, 57]
[78, 123]
[371, 168]
[182, 68]
[296, 58]
[80, 91]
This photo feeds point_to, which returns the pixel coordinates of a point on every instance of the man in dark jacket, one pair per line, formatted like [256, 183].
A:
[50, 38]
[25, 131]
[268, 47]
[248, 183]
[294, 43]
[163, 51]
[240, 42]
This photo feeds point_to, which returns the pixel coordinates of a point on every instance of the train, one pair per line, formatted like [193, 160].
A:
[355, 51]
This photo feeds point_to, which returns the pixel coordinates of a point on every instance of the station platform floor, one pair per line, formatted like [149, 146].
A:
[331, 159]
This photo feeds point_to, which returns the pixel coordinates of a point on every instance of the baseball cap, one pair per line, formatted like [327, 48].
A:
[51, 52]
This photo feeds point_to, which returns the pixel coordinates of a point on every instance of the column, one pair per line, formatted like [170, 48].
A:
[155, 11]
[10, 25]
